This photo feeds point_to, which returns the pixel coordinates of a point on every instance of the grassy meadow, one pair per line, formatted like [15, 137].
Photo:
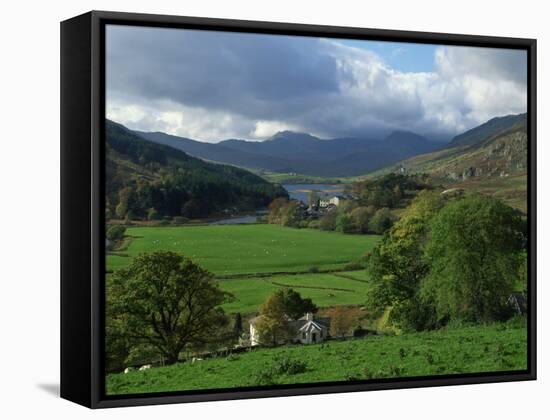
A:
[247, 249]
[481, 348]
[325, 289]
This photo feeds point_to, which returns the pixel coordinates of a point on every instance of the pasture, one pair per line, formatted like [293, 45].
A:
[325, 289]
[481, 348]
[247, 249]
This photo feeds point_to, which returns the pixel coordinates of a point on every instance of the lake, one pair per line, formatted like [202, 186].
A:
[301, 191]
[295, 191]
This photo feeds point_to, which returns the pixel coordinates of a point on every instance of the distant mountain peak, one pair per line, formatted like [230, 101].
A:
[291, 135]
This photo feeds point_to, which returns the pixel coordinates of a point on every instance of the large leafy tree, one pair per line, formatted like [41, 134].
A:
[273, 324]
[276, 312]
[166, 302]
[474, 250]
[397, 266]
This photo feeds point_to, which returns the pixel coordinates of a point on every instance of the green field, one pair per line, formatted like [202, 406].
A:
[492, 348]
[325, 289]
[294, 178]
[248, 249]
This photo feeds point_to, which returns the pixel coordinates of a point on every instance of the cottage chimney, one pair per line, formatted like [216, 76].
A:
[309, 316]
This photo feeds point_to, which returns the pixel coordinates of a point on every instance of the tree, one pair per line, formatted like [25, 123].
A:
[152, 214]
[275, 208]
[276, 312]
[115, 232]
[290, 214]
[313, 198]
[238, 325]
[397, 266]
[191, 209]
[344, 222]
[341, 321]
[328, 221]
[381, 221]
[360, 218]
[273, 324]
[128, 203]
[473, 252]
[167, 302]
[294, 304]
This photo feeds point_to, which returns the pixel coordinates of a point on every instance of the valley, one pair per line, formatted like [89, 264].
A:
[286, 225]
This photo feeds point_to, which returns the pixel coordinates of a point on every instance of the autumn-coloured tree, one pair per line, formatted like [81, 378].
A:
[342, 320]
[276, 312]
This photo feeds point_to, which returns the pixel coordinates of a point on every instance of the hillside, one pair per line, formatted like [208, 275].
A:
[496, 165]
[291, 152]
[484, 348]
[488, 129]
[149, 180]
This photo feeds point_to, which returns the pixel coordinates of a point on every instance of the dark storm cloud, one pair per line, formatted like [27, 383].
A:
[213, 85]
[259, 76]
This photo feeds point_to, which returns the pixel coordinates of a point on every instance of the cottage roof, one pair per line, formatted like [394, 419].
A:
[315, 323]
[299, 324]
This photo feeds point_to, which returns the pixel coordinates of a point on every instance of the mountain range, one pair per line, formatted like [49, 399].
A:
[292, 152]
[302, 153]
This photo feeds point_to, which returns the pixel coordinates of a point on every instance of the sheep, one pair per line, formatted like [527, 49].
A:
[128, 369]
[145, 367]
[195, 359]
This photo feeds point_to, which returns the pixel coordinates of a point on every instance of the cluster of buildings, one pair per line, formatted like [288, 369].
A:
[322, 206]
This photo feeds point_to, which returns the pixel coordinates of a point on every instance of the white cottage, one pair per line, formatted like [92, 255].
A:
[311, 330]
[307, 330]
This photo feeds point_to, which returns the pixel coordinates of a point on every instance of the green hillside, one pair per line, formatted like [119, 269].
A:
[496, 166]
[150, 180]
[475, 349]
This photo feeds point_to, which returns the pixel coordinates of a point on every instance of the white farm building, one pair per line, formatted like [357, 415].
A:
[306, 330]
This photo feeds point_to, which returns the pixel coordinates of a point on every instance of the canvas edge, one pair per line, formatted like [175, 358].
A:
[95, 388]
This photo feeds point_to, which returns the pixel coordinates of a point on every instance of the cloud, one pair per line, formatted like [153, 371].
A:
[212, 86]
[264, 129]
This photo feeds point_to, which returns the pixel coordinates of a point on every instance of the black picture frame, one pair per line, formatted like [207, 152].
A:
[82, 204]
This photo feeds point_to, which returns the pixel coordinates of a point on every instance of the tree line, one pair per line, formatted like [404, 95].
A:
[367, 208]
[145, 180]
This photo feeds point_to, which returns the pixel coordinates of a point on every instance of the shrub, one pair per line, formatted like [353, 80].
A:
[115, 232]
[314, 224]
[264, 377]
[344, 223]
[152, 214]
[353, 266]
[302, 224]
[289, 366]
[179, 220]
[328, 221]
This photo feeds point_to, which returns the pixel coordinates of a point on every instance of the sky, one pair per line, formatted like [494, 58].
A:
[211, 86]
